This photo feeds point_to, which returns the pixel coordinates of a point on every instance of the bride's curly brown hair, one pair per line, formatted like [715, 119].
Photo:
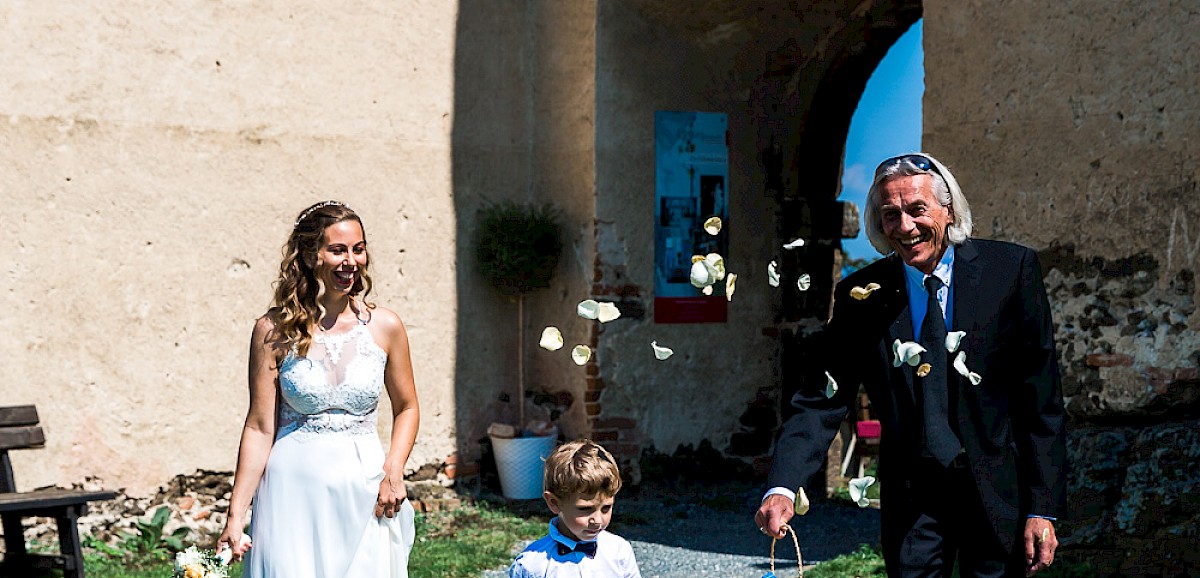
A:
[297, 306]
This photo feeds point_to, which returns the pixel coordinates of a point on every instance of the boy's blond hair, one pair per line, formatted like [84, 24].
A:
[582, 467]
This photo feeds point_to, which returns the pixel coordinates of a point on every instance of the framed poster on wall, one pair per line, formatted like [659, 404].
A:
[691, 154]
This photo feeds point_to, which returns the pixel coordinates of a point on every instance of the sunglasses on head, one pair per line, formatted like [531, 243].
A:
[921, 162]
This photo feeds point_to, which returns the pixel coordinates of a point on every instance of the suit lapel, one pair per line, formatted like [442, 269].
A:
[901, 327]
[968, 273]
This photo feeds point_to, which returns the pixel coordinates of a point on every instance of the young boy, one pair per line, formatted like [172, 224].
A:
[581, 482]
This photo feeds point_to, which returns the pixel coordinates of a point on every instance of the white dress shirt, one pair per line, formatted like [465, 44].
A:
[614, 558]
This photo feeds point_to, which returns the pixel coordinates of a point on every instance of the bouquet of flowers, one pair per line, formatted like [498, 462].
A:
[193, 563]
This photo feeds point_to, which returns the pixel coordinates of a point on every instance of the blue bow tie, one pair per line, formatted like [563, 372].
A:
[588, 548]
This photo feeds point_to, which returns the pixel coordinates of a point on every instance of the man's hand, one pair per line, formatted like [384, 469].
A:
[774, 512]
[1040, 544]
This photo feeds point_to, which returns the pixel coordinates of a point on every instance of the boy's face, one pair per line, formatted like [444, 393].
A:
[581, 518]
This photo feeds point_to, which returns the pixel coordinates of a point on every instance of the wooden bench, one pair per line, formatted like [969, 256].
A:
[19, 430]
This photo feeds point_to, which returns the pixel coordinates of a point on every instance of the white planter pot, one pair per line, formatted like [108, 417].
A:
[521, 462]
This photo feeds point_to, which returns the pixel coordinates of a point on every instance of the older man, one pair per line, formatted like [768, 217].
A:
[952, 338]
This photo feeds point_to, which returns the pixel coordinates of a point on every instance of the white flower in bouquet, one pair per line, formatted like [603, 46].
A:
[193, 563]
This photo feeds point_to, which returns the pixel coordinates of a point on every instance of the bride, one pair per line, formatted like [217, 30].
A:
[327, 501]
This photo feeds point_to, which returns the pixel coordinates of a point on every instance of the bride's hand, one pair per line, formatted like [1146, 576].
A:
[233, 539]
[392, 493]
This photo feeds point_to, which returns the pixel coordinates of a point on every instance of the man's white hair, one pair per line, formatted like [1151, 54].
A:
[945, 190]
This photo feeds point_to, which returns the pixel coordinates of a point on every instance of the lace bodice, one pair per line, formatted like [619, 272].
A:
[333, 389]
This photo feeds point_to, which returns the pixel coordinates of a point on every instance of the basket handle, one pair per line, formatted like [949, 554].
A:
[795, 541]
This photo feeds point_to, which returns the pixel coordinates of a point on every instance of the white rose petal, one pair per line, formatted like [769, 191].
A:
[713, 225]
[960, 365]
[730, 285]
[773, 274]
[802, 503]
[831, 385]
[703, 274]
[858, 490]
[804, 282]
[795, 243]
[552, 339]
[587, 309]
[581, 354]
[954, 339]
[661, 352]
[717, 263]
[707, 290]
[906, 352]
[607, 312]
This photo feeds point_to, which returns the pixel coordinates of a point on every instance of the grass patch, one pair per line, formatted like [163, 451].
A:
[868, 561]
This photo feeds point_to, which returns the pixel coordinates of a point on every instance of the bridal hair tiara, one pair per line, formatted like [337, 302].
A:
[308, 212]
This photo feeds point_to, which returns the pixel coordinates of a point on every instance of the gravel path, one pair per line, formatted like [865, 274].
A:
[712, 534]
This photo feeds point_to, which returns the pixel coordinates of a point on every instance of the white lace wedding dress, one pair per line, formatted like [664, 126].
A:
[314, 512]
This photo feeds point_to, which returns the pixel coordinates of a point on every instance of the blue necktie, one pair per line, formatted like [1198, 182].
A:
[939, 439]
[588, 548]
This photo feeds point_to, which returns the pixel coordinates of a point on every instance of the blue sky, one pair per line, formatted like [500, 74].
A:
[886, 123]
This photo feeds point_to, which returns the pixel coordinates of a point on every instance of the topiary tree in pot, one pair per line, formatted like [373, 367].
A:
[517, 247]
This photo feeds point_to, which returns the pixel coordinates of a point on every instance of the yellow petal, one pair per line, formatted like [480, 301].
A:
[773, 274]
[697, 258]
[661, 352]
[713, 225]
[794, 243]
[858, 490]
[924, 369]
[730, 285]
[552, 339]
[804, 282]
[831, 385]
[581, 354]
[607, 312]
[802, 503]
[861, 293]
[954, 339]
[587, 309]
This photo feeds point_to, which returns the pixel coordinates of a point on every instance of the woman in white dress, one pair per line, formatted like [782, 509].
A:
[327, 501]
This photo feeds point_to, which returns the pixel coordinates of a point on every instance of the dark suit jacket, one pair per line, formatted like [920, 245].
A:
[1011, 424]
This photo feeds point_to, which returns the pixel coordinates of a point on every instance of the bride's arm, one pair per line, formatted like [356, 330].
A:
[257, 435]
[406, 416]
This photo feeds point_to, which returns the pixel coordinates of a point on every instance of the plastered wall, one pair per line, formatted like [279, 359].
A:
[154, 157]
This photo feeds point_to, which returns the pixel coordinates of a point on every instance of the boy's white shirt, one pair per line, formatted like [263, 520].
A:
[614, 558]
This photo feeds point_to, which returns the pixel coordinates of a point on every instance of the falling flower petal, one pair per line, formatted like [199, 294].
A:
[831, 386]
[607, 312]
[804, 282]
[581, 354]
[730, 285]
[661, 352]
[861, 293]
[773, 274]
[707, 290]
[906, 352]
[702, 274]
[858, 490]
[587, 309]
[718, 264]
[802, 502]
[713, 225]
[924, 369]
[954, 339]
[552, 339]
[960, 365]
[794, 244]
